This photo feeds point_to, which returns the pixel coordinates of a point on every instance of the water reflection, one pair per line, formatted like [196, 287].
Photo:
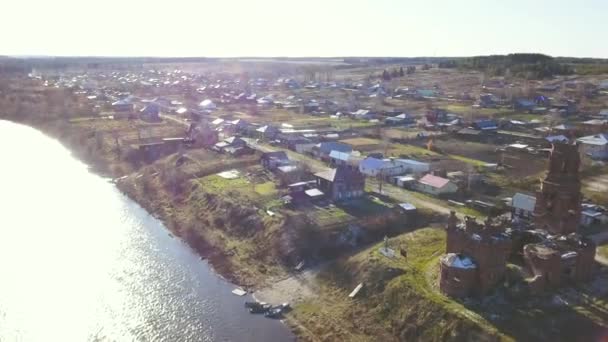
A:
[79, 261]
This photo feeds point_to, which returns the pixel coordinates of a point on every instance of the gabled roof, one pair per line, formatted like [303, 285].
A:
[485, 125]
[558, 138]
[564, 127]
[525, 102]
[344, 173]
[327, 175]
[217, 121]
[327, 147]
[595, 122]
[344, 156]
[434, 181]
[278, 155]
[598, 139]
[412, 162]
[266, 128]
[361, 112]
[207, 104]
[523, 201]
[372, 163]
[233, 140]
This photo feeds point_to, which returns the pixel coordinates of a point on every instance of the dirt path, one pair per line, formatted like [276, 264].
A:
[294, 289]
[315, 165]
[403, 195]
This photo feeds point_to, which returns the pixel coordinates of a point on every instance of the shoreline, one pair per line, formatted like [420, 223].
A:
[69, 137]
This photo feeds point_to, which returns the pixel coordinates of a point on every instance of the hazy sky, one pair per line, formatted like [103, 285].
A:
[304, 28]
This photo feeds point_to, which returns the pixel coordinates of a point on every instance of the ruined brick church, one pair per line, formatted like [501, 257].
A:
[552, 252]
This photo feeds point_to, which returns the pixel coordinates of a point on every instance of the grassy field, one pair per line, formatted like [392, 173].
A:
[278, 116]
[467, 160]
[258, 190]
[345, 212]
[400, 301]
[396, 303]
[411, 151]
[329, 216]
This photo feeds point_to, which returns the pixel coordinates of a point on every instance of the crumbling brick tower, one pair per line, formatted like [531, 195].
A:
[558, 203]
[486, 244]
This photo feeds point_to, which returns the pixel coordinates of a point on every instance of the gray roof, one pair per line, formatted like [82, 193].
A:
[523, 201]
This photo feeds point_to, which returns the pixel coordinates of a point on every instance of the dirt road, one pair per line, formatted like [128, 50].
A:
[402, 195]
[315, 165]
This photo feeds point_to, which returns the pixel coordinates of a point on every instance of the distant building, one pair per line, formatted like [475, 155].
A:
[595, 146]
[323, 149]
[435, 185]
[207, 105]
[122, 106]
[485, 125]
[391, 167]
[273, 160]
[341, 183]
[522, 206]
[524, 105]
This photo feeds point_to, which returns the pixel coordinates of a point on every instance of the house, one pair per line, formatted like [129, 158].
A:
[341, 183]
[339, 158]
[485, 125]
[323, 149]
[522, 206]
[488, 101]
[593, 214]
[122, 106]
[207, 105]
[435, 185]
[202, 135]
[217, 122]
[232, 142]
[267, 132]
[524, 105]
[401, 119]
[150, 112]
[362, 114]
[288, 174]
[557, 138]
[406, 181]
[391, 167]
[273, 160]
[595, 146]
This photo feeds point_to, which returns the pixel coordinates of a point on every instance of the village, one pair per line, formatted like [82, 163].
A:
[462, 185]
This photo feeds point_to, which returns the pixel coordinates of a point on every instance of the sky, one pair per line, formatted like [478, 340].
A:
[305, 28]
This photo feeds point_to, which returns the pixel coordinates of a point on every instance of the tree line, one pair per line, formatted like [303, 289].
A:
[525, 65]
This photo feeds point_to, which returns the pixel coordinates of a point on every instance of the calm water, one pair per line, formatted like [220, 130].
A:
[81, 262]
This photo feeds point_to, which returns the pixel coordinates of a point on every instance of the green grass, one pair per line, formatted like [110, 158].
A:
[409, 150]
[264, 194]
[397, 302]
[266, 189]
[467, 160]
[603, 250]
[400, 301]
[329, 216]
[365, 206]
